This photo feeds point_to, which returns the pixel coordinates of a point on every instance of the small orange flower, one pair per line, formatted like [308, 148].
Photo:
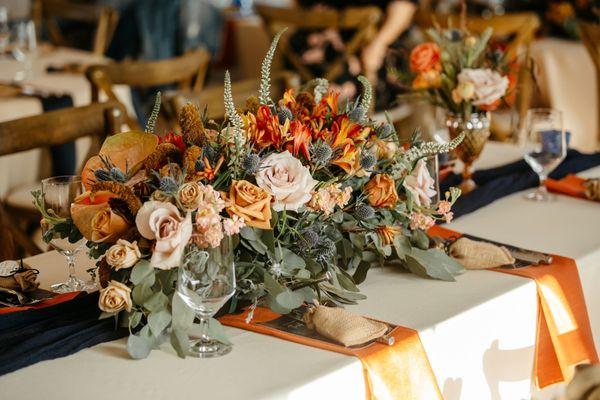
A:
[347, 160]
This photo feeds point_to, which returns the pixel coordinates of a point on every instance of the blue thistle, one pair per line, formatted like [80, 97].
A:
[364, 212]
[168, 185]
[102, 175]
[284, 114]
[358, 114]
[250, 163]
[321, 153]
[368, 160]
[384, 130]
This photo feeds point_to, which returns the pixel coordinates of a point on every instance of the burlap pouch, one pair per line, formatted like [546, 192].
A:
[23, 281]
[342, 326]
[585, 384]
[592, 189]
[474, 254]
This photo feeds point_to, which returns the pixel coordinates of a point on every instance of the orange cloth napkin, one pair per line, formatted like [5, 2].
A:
[564, 336]
[400, 371]
[61, 298]
[571, 185]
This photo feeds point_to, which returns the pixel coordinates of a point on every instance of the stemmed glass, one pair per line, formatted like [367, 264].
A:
[545, 147]
[25, 48]
[206, 281]
[58, 194]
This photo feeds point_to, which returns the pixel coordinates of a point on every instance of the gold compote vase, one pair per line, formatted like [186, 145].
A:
[477, 132]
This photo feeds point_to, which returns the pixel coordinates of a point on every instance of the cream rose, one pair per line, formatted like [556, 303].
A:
[162, 222]
[189, 196]
[286, 179]
[123, 254]
[489, 86]
[420, 184]
[115, 297]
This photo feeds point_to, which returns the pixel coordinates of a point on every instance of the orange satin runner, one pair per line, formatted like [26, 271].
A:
[61, 298]
[400, 371]
[564, 336]
[571, 185]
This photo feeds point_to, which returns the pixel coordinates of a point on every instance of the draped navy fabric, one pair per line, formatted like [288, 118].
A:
[31, 336]
[63, 155]
[495, 183]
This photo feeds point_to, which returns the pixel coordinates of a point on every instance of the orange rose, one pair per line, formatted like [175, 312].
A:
[94, 218]
[251, 203]
[425, 57]
[381, 191]
[107, 226]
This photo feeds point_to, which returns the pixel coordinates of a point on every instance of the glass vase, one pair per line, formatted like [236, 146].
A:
[477, 131]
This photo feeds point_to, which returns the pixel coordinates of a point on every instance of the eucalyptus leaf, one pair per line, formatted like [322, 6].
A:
[361, 272]
[142, 271]
[138, 346]
[420, 239]
[158, 301]
[158, 322]
[141, 293]
[134, 319]
[183, 315]
[180, 342]
[402, 246]
[217, 332]
[346, 281]
[290, 300]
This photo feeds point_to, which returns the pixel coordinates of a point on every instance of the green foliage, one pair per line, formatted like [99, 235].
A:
[151, 124]
[264, 93]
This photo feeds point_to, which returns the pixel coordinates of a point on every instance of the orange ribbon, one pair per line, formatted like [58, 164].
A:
[61, 298]
[400, 371]
[564, 336]
[571, 185]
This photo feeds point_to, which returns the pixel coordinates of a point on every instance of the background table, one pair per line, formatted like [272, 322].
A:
[74, 84]
[479, 332]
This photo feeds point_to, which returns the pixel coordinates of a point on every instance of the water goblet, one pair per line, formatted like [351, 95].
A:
[58, 195]
[206, 281]
[544, 147]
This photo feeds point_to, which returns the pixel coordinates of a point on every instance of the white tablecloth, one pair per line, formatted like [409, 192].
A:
[75, 85]
[479, 332]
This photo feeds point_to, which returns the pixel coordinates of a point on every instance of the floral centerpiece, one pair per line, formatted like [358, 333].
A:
[312, 192]
[467, 76]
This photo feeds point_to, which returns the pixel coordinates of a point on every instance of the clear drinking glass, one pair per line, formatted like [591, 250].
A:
[59, 193]
[25, 47]
[433, 167]
[4, 31]
[544, 147]
[206, 281]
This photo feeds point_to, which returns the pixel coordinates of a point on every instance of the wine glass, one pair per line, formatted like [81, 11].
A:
[206, 281]
[544, 148]
[25, 48]
[58, 194]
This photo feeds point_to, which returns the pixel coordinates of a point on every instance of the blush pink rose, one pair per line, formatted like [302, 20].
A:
[162, 222]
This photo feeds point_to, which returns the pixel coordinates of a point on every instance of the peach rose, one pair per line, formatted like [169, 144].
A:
[107, 226]
[189, 196]
[251, 203]
[123, 254]
[425, 57]
[162, 222]
[381, 191]
[115, 297]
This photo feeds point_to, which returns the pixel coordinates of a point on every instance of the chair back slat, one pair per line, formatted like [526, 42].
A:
[61, 126]
[187, 72]
[363, 20]
[590, 36]
[47, 12]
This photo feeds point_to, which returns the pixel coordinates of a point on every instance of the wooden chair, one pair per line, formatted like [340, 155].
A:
[51, 128]
[362, 20]
[47, 13]
[187, 72]
[519, 29]
[590, 36]
[212, 97]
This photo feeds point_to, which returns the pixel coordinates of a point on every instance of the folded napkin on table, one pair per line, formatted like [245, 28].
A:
[35, 335]
[474, 254]
[342, 326]
[573, 185]
[495, 183]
